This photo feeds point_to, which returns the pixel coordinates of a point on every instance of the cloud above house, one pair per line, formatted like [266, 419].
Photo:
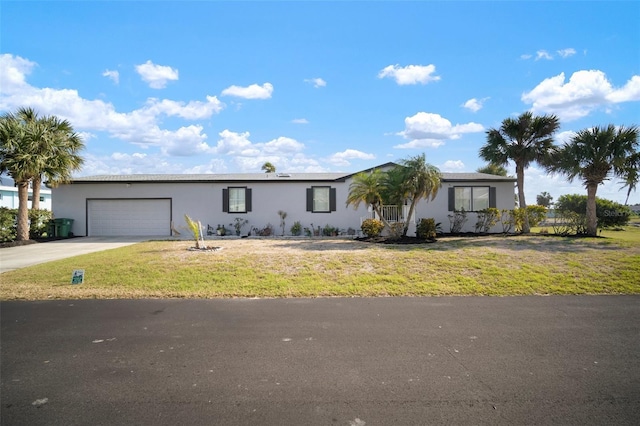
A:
[586, 91]
[317, 82]
[543, 54]
[565, 53]
[157, 76]
[474, 104]
[452, 166]
[429, 130]
[343, 158]
[141, 127]
[411, 74]
[112, 75]
[253, 91]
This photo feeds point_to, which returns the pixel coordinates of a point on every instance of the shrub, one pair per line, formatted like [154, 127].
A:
[296, 228]
[426, 229]
[7, 224]
[372, 227]
[266, 231]
[457, 221]
[238, 223]
[507, 220]
[610, 214]
[535, 213]
[396, 230]
[38, 223]
[568, 223]
[329, 230]
[487, 218]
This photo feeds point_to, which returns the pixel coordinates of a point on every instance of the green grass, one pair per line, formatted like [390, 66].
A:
[333, 267]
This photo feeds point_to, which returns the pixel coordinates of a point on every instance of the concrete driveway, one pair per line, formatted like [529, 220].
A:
[19, 257]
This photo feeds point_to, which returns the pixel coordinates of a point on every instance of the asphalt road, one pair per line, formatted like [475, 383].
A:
[386, 361]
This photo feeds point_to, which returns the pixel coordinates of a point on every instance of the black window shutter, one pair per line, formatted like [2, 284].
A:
[225, 200]
[309, 199]
[247, 199]
[332, 199]
[492, 196]
[452, 199]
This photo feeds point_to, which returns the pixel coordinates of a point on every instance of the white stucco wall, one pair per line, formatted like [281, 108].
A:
[439, 207]
[203, 202]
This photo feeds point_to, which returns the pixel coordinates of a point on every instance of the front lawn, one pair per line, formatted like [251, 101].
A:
[274, 267]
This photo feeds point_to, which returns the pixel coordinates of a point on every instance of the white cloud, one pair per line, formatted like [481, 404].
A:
[192, 110]
[317, 82]
[342, 158]
[253, 91]
[140, 127]
[452, 166]
[565, 53]
[584, 92]
[281, 145]
[474, 104]
[411, 74]
[13, 72]
[156, 75]
[543, 54]
[113, 75]
[526, 56]
[431, 130]
[300, 121]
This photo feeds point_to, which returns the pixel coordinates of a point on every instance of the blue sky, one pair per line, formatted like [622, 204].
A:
[221, 87]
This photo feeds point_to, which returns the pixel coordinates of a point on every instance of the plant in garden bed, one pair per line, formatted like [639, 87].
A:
[372, 227]
[283, 216]
[457, 221]
[427, 229]
[296, 228]
[506, 220]
[238, 223]
[196, 230]
[330, 231]
[487, 218]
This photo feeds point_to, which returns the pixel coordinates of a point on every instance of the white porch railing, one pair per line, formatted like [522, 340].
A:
[392, 214]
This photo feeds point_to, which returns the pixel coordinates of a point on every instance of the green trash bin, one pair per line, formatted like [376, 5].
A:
[51, 229]
[63, 227]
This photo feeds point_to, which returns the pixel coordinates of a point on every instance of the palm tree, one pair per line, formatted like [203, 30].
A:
[493, 169]
[523, 140]
[633, 177]
[416, 180]
[268, 167]
[367, 188]
[32, 147]
[596, 154]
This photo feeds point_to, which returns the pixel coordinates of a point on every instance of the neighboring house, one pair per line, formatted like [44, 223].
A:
[635, 208]
[151, 205]
[9, 195]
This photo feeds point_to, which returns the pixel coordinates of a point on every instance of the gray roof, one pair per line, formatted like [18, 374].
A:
[267, 177]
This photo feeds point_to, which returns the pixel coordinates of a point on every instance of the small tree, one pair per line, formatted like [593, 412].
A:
[283, 216]
[544, 199]
[268, 167]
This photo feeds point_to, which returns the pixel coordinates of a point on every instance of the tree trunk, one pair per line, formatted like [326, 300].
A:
[521, 202]
[406, 219]
[376, 208]
[592, 218]
[36, 183]
[23, 211]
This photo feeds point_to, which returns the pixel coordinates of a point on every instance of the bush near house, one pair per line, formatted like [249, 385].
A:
[609, 213]
[38, 219]
[426, 229]
[372, 227]
[535, 213]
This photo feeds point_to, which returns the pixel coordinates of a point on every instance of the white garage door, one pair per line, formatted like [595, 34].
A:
[129, 217]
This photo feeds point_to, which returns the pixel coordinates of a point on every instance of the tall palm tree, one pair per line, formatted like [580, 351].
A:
[493, 169]
[32, 147]
[596, 154]
[368, 188]
[631, 180]
[418, 180]
[523, 140]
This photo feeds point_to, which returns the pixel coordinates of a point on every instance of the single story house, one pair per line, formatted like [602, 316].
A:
[9, 195]
[155, 205]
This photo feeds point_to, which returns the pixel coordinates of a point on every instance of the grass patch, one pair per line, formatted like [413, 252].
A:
[334, 267]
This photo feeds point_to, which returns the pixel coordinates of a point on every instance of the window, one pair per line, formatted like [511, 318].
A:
[236, 200]
[41, 198]
[471, 198]
[321, 199]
